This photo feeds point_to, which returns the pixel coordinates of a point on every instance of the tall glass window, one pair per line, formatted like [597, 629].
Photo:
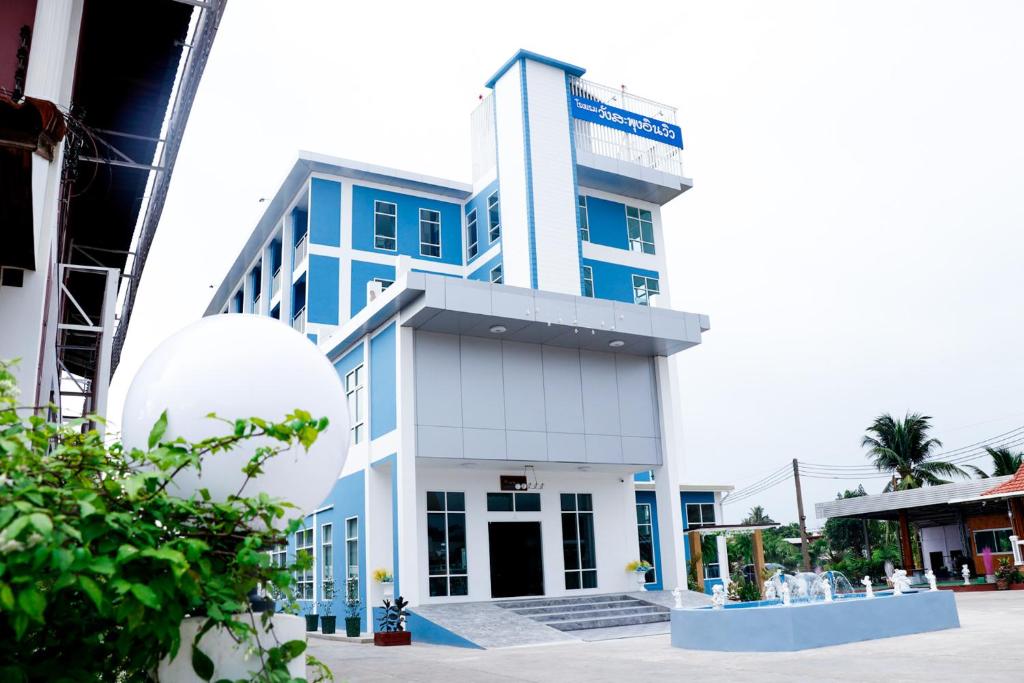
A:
[446, 543]
[352, 558]
[471, 234]
[640, 229]
[304, 577]
[385, 222]
[430, 232]
[643, 288]
[327, 560]
[645, 531]
[493, 217]
[584, 218]
[588, 281]
[578, 548]
[355, 396]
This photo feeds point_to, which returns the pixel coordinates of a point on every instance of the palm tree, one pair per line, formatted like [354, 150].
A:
[903, 448]
[1003, 463]
[758, 516]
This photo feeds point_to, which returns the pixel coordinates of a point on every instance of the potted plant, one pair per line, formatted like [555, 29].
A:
[353, 623]
[639, 569]
[986, 559]
[383, 577]
[312, 618]
[1004, 575]
[391, 627]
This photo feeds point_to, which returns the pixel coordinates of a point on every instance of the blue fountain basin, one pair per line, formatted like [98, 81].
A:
[768, 626]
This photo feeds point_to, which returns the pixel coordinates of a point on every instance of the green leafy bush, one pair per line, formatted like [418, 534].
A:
[99, 564]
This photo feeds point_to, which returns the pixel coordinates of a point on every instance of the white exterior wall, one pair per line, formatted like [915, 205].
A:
[944, 539]
[554, 196]
[515, 238]
[615, 529]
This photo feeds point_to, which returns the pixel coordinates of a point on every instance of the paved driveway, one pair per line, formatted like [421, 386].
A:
[988, 647]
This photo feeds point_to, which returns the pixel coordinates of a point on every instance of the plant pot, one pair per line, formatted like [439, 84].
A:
[386, 638]
[1002, 585]
[352, 626]
[311, 621]
[990, 578]
[327, 623]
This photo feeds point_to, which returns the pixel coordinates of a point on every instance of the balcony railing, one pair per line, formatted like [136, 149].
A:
[275, 283]
[299, 320]
[621, 146]
[300, 252]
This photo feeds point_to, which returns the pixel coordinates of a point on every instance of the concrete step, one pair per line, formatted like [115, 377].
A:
[579, 607]
[599, 614]
[607, 622]
[553, 602]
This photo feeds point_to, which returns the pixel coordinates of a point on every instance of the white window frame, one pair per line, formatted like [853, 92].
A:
[377, 203]
[645, 287]
[701, 524]
[654, 551]
[355, 385]
[588, 277]
[430, 245]
[493, 228]
[500, 278]
[351, 541]
[472, 235]
[583, 212]
[449, 574]
[326, 556]
[306, 578]
[638, 243]
[576, 512]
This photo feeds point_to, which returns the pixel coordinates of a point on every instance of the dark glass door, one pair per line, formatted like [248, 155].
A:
[517, 566]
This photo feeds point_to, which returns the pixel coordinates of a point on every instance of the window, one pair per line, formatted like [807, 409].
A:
[385, 220]
[507, 501]
[578, 548]
[588, 281]
[640, 230]
[430, 233]
[583, 218]
[279, 556]
[493, 217]
[352, 558]
[471, 235]
[304, 577]
[355, 396]
[643, 288]
[384, 282]
[496, 275]
[700, 514]
[645, 531]
[446, 543]
[998, 540]
[327, 561]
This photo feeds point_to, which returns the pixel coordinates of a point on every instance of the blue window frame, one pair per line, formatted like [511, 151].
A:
[493, 217]
[471, 235]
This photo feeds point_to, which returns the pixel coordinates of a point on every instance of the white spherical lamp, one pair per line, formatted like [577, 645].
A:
[242, 366]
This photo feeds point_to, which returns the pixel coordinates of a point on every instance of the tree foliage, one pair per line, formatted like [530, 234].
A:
[99, 564]
[1004, 463]
[903, 448]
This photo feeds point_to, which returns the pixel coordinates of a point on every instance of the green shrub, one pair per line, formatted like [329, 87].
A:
[99, 564]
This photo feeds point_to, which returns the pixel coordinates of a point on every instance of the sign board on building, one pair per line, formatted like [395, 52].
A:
[626, 121]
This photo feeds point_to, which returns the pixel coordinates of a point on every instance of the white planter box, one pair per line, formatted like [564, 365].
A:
[230, 659]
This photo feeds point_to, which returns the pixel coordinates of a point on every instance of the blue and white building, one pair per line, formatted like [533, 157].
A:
[507, 348]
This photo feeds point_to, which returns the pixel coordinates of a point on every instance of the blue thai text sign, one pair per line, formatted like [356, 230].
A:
[626, 121]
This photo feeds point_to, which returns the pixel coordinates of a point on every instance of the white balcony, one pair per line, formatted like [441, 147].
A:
[300, 252]
[275, 283]
[299, 321]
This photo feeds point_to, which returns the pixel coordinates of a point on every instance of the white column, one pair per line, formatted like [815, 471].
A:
[723, 558]
[54, 37]
[113, 277]
[409, 542]
[287, 253]
[669, 476]
[265, 286]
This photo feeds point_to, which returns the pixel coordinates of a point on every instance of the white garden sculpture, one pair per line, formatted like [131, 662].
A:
[966, 573]
[717, 596]
[677, 593]
[930, 576]
[785, 594]
[869, 592]
[826, 590]
[900, 582]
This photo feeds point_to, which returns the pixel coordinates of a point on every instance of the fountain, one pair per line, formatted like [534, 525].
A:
[869, 592]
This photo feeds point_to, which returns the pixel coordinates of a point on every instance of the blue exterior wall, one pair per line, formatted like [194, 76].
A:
[348, 500]
[696, 497]
[408, 230]
[479, 202]
[325, 212]
[607, 222]
[650, 498]
[349, 361]
[383, 382]
[483, 273]
[615, 281]
[363, 272]
[324, 275]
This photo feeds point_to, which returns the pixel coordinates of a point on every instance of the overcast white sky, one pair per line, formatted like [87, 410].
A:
[854, 230]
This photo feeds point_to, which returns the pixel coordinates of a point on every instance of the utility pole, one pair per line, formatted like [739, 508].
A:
[803, 520]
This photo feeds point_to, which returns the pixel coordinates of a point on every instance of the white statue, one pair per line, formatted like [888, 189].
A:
[717, 596]
[677, 593]
[785, 594]
[869, 592]
[826, 590]
[966, 573]
[930, 575]
[900, 582]
[769, 590]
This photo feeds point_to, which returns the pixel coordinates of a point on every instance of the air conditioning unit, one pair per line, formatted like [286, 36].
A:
[373, 290]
